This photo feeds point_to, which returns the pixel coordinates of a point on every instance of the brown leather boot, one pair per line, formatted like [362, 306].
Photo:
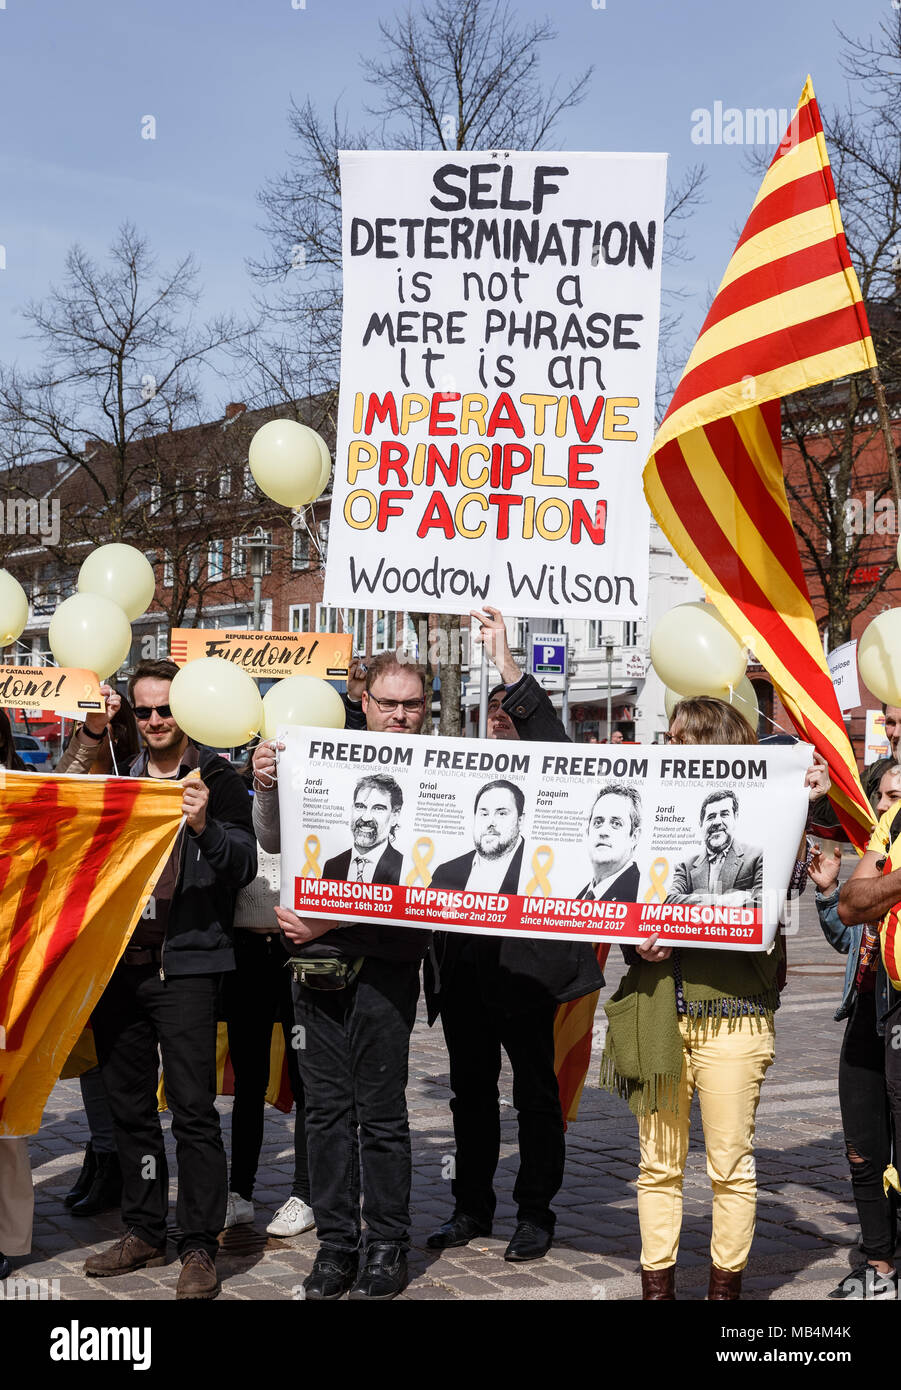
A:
[129, 1253]
[725, 1286]
[198, 1278]
[658, 1284]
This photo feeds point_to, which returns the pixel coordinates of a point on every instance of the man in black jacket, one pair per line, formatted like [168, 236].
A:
[355, 994]
[164, 995]
[503, 991]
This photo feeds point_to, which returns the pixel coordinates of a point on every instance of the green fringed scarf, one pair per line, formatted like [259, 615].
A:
[642, 1058]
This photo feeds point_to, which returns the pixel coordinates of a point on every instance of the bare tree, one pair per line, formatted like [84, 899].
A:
[834, 429]
[117, 387]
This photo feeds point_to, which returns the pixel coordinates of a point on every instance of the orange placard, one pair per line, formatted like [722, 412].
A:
[62, 689]
[267, 655]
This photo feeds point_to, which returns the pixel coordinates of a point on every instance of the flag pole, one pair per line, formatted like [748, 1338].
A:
[885, 422]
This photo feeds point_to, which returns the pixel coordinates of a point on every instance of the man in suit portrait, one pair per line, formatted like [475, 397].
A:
[377, 805]
[725, 871]
[614, 824]
[494, 865]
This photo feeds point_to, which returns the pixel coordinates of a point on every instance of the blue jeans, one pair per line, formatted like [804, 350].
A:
[353, 1063]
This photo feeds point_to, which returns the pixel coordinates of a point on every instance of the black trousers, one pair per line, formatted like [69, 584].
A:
[256, 994]
[136, 1014]
[866, 1122]
[475, 1035]
[353, 1059]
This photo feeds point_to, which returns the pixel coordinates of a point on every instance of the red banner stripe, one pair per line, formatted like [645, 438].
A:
[776, 277]
[769, 353]
[805, 194]
[119, 798]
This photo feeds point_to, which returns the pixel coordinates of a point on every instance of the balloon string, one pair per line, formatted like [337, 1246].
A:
[734, 695]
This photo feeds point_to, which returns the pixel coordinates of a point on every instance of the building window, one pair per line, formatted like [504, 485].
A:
[225, 483]
[552, 625]
[216, 560]
[250, 486]
[323, 540]
[156, 496]
[520, 634]
[168, 570]
[328, 619]
[621, 634]
[239, 558]
[384, 630]
[193, 569]
[299, 617]
[411, 638]
[355, 622]
[630, 634]
[300, 549]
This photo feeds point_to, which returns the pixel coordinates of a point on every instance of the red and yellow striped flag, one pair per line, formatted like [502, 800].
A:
[788, 315]
[573, 1035]
[79, 858]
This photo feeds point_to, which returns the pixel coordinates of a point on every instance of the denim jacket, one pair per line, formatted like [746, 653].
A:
[847, 940]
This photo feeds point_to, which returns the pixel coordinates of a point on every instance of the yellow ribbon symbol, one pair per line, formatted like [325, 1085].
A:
[542, 860]
[420, 870]
[659, 873]
[311, 867]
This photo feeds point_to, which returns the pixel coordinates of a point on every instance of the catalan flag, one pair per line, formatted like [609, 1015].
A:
[79, 858]
[788, 315]
[573, 1034]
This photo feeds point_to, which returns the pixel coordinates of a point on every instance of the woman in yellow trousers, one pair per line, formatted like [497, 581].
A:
[699, 1020]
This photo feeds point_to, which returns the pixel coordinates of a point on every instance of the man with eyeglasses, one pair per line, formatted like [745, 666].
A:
[355, 993]
[163, 998]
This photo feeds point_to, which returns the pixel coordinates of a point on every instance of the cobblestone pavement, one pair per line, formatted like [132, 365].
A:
[806, 1228]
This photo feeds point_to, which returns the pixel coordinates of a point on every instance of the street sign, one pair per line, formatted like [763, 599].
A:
[547, 659]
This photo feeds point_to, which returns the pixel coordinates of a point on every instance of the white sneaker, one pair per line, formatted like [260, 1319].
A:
[238, 1212]
[291, 1219]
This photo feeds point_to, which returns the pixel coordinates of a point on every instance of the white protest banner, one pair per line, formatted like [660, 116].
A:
[498, 356]
[876, 745]
[541, 840]
[842, 663]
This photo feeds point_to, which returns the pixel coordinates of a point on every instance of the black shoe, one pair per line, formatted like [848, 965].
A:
[460, 1230]
[4, 1266]
[85, 1177]
[384, 1273]
[333, 1273]
[529, 1242]
[867, 1283]
[105, 1192]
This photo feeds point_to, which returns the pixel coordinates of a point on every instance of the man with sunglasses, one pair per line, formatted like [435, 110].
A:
[163, 998]
[355, 992]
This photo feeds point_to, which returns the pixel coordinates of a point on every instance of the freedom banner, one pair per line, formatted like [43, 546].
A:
[60, 689]
[498, 353]
[267, 655]
[542, 840]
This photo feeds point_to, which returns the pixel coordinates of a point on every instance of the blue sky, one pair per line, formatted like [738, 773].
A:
[217, 75]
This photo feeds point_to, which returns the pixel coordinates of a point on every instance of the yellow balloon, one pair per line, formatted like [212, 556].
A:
[742, 696]
[286, 462]
[695, 652]
[302, 700]
[122, 573]
[879, 657]
[90, 630]
[326, 466]
[13, 608]
[215, 702]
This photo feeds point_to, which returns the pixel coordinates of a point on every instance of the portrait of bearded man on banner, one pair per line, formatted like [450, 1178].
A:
[725, 871]
[375, 812]
[494, 866]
